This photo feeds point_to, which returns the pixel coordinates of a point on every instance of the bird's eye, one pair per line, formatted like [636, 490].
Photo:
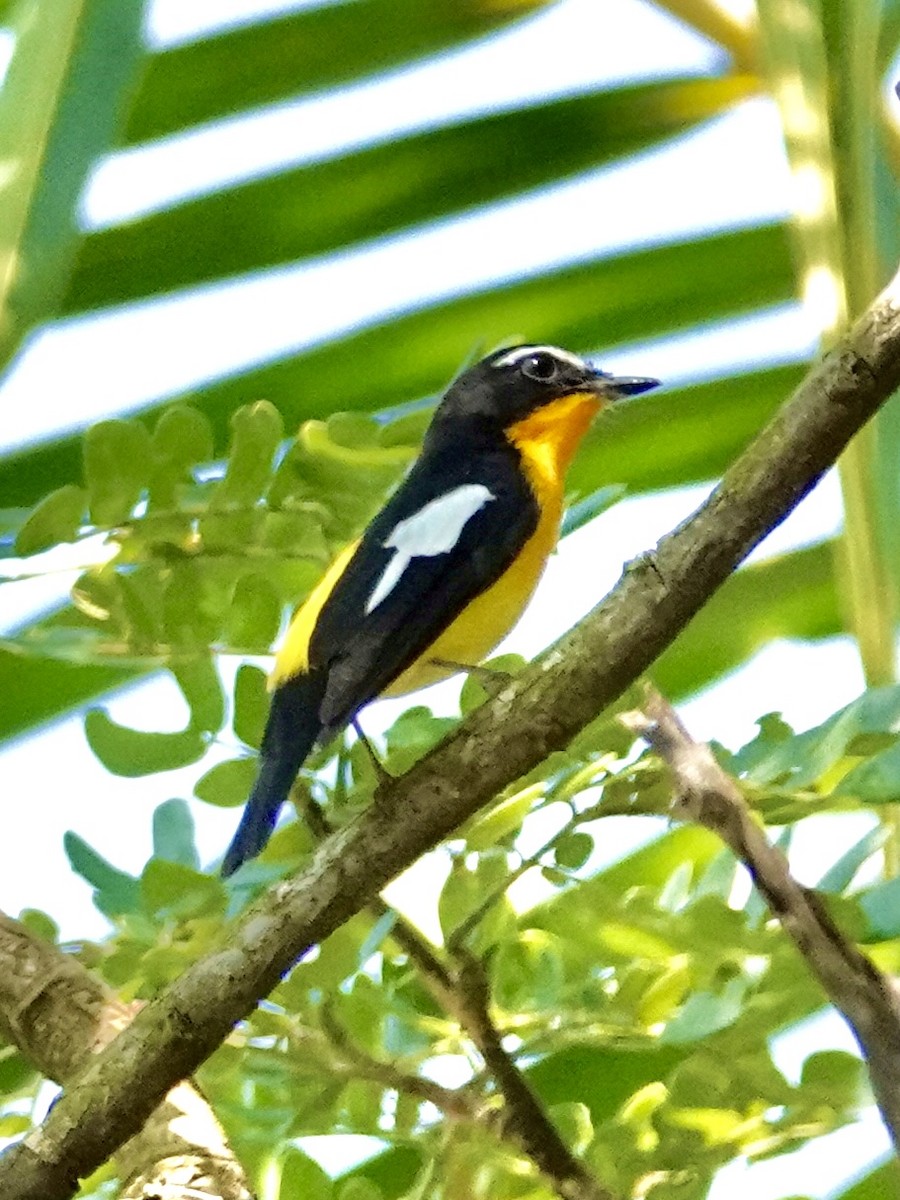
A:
[541, 366]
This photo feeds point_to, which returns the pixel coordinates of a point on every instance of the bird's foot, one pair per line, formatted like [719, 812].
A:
[382, 775]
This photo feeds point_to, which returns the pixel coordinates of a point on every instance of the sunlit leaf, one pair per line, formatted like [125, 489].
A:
[134, 752]
[115, 891]
[228, 783]
[265, 61]
[313, 209]
[173, 834]
[55, 519]
[116, 468]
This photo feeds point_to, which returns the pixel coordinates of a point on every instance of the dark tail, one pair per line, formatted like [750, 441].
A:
[291, 733]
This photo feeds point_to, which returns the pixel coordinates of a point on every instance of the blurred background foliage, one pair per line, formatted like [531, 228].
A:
[642, 997]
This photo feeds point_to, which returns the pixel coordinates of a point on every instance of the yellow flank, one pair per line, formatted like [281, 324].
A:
[293, 657]
[547, 441]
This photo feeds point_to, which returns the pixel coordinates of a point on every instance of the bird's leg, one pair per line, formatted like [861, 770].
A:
[382, 774]
[492, 679]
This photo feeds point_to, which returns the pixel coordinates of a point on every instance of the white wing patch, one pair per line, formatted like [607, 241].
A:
[434, 529]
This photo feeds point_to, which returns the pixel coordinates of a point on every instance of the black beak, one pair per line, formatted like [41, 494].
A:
[629, 385]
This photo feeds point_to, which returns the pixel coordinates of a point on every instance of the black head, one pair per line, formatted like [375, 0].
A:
[513, 382]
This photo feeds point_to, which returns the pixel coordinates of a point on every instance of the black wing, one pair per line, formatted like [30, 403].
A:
[363, 652]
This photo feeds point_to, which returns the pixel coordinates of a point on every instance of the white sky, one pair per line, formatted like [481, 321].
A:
[730, 173]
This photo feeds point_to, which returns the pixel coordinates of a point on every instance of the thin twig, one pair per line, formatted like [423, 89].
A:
[867, 998]
[524, 1116]
[465, 996]
[458, 1103]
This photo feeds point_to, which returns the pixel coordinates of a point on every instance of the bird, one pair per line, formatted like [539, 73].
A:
[443, 571]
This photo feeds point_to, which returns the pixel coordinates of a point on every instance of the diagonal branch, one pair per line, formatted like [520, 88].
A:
[524, 1116]
[462, 990]
[540, 711]
[58, 1014]
[464, 994]
[868, 999]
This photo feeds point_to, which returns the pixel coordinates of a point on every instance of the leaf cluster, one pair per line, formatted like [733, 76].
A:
[641, 998]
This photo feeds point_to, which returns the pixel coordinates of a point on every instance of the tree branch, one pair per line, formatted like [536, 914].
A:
[524, 1117]
[458, 1104]
[868, 999]
[58, 1014]
[540, 711]
[464, 994]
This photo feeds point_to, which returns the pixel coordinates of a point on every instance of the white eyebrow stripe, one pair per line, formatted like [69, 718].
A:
[520, 352]
[434, 529]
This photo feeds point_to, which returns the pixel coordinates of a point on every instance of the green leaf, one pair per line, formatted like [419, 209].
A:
[601, 1076]
[573, 1120]
[193, 605]
[413, 734]
[115, 892]
[256, 431]
[41, 924]
[359, 1189]
[527, 973]
[467, 888]
[503, 820]
[271, 59]
[394, 1172]
[667, 991]
[874, 1185]
[251, 705]
[57, 518]
[60, 104]
[117, 461]
[337, 959]
[173, 889]
[295, 534]
[183, 437]
[227, 784]
[805, 758]
[705, 1013]
[880, 906]
[840, 875]
[876, 780]
[16, 1073]
[254, 618]
[11, 1125]
[173, 834]
[592, 506]
[381, 929]
[361, 1012]
[320, 206]
[573, 850]
[138, 597]
[202, 689]
[835, 1078]
[133, 752]
[300, 1176]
